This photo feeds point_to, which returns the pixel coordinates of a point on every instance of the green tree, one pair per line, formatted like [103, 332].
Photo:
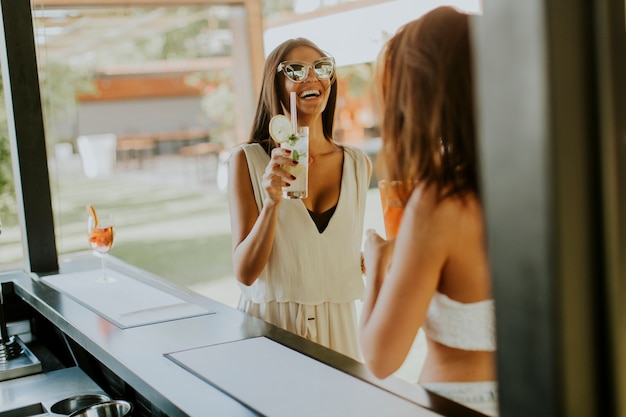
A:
[8, 209]
[59, 86]
[273, 8]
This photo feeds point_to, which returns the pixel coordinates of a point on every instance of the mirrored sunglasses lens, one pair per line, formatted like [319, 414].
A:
[324, 69]
[296, 72]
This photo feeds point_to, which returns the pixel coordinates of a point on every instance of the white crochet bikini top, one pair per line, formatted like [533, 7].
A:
[467, 326]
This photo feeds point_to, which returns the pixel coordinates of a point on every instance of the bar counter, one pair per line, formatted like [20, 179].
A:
[211, 360]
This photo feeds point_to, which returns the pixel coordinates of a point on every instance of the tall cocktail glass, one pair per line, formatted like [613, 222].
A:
[391, 197]
[299, 146]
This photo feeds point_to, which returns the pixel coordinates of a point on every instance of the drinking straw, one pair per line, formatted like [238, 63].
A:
[91, 210]
[294, 115]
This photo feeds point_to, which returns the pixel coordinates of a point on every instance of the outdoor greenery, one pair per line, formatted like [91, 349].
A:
[7, 192]
[359, 78]
[218, 103]
[276, 7]
[59, 86]
[179, 232]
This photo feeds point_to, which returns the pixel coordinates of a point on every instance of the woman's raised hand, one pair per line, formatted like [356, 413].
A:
[377, 254]
[275, 176]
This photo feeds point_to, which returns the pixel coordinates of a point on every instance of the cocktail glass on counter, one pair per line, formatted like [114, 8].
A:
[391, 197]
[101, 235]
[299, 146]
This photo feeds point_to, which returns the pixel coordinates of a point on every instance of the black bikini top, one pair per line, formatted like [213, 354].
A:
[321, 220]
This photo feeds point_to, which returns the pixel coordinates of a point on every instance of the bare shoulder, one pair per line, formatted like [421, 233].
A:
[239, 173]
[451, 214]
[237, 155]
[238, 162]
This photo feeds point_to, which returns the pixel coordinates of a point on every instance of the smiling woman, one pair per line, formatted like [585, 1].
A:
[298, 261]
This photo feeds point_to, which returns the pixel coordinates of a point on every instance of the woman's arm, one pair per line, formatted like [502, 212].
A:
[253, 232]
[401, 280]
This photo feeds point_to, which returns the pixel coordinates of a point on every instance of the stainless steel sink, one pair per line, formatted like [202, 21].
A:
[72, 404]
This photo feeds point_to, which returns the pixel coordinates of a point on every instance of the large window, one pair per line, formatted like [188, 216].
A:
[11, 254]
[138, 103]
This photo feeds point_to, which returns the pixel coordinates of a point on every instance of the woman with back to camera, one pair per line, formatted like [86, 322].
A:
[298, 262]
[435, 275]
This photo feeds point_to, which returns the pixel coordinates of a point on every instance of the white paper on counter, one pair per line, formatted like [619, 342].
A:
[277, 381]
[126, 302]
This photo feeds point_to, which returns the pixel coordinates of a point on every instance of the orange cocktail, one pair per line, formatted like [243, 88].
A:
[101, 238]
[391, 193]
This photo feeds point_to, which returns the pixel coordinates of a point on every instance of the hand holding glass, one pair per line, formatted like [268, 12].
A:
[101, 234]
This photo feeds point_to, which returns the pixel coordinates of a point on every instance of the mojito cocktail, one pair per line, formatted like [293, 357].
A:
[299, 146]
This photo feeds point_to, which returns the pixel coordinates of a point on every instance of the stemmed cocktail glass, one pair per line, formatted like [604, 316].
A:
[101, 235]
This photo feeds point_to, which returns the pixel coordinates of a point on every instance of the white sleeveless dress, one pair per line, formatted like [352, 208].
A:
[312, 279]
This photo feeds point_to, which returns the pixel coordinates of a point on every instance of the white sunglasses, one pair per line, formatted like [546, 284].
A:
[297, 71]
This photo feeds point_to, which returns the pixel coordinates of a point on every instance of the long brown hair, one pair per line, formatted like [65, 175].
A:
[426, 95]
[273, 96]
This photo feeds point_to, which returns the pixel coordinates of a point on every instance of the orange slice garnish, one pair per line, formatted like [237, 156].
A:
[92, 212]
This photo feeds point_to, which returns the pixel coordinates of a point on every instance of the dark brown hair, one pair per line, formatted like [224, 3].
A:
[273, 95]
[426, 95]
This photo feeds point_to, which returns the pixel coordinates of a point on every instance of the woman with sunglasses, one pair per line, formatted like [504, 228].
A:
[298, 262]
[435, 274]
